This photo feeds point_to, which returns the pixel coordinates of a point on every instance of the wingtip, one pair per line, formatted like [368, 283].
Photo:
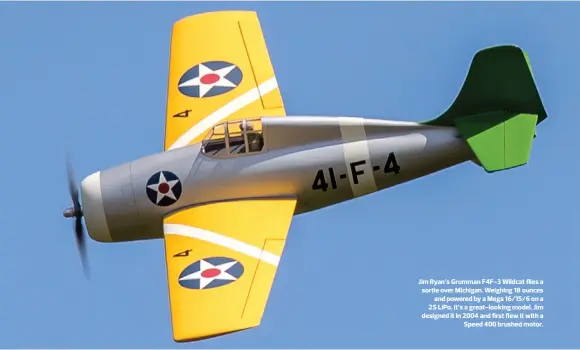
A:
[239, 14]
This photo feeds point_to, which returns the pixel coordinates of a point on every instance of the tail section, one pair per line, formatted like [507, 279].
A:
[497, 109]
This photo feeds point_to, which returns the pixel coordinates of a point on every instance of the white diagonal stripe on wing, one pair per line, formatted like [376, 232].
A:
[225, 111]
[221, 240]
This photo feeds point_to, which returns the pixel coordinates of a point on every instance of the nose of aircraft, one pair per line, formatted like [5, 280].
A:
[93, 208]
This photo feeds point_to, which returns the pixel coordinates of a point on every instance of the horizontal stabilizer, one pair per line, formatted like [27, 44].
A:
[500, 141]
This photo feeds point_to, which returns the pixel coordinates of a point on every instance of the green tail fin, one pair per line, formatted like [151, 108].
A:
[497, 109]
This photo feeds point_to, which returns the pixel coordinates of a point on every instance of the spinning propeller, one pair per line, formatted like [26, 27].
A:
[76, 212]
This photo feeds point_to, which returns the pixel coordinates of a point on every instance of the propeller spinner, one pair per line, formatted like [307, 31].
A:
[76, 212]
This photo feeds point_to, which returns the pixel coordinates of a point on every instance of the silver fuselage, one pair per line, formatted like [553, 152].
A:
[351, 153]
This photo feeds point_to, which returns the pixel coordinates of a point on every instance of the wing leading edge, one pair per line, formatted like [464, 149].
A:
[219, 69]
[221, 262]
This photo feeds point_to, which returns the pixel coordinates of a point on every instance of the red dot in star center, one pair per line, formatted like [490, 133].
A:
[210, 78]
[209, 273]
[163, 188]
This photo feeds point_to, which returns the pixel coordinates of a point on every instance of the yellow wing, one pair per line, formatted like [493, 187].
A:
[219, 69]
[221, 262]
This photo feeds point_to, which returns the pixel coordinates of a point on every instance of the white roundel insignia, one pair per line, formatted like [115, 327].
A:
[211, 273]
[210, 79]
[163, 188]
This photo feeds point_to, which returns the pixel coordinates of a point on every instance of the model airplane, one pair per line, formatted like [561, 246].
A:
[234, 172]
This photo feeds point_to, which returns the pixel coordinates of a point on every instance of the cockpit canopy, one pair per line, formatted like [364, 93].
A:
[234, 138]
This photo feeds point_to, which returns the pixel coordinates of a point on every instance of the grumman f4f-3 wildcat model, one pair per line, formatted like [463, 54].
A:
[234, 171]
